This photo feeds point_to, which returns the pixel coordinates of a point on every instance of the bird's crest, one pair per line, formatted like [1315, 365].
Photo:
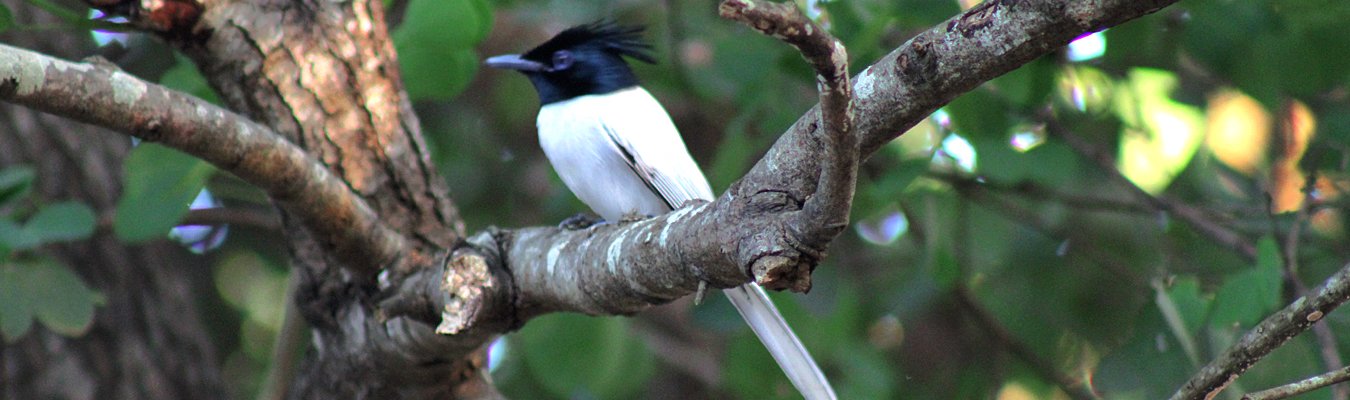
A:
[603, 35]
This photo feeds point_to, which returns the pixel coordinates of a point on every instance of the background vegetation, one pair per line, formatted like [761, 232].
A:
[1113, 215]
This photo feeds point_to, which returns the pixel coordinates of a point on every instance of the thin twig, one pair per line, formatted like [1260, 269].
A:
[1326, 339]
[1039, 192]
[1075, 388]
[1192, 216]
[290, 342]
[1270, 334]
[1301, 387]
[1020, 215]
[264, 219]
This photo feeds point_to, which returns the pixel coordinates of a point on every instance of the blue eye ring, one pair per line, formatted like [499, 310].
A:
[562, 59]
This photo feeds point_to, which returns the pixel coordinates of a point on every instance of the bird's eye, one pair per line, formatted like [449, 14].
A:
[562, 60]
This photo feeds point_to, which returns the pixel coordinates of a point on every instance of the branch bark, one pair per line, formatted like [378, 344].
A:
[1270, 334]
[151, 328]
[825, 213]
[323, 76]
[1301, 387]
[98, 93]
[624, 268]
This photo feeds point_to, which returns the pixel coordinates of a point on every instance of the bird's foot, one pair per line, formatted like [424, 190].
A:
[634, 216]
[580, 221]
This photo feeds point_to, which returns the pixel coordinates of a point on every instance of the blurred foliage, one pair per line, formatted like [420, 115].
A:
[6, 18]
[33, 286]
[1235, 108]
[1113, 293]
[159, 185]
[455, 26]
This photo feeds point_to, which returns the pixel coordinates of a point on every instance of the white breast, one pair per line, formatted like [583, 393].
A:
[585, 139]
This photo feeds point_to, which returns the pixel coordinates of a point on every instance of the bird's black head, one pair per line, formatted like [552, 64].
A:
[582, 60]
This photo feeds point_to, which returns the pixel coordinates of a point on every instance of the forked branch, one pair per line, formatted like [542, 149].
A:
[98, 93]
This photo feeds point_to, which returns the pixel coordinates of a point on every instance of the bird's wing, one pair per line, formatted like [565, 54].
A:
[654, 151]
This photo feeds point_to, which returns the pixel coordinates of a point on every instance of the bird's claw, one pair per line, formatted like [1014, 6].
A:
[580, 221]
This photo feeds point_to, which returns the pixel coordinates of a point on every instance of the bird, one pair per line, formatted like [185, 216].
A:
[615, 147]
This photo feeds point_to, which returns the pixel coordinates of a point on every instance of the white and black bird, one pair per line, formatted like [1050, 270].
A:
[615, 147]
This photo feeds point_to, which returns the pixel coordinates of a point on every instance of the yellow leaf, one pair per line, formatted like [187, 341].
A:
[1160, 135]
[1239, 130]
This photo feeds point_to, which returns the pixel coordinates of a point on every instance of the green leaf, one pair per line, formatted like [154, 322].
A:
[15, 183]
[1247, 296]
[1149, 365]
[1085, 89]
[61, 222]
[1268, 261]
[69, 16]
[576, 356]
[980, 114]
[16, 310]
[160, 184]
[6, 18]
[436, 43]
[751, 372]
[185, 77]
[14, 237]
[733, 154]
[1190, 304]
[1178, 306]
[1029, 86]
[62, 302]
[897, 178]
[435, 73]
[944, 269]
[1160, 135]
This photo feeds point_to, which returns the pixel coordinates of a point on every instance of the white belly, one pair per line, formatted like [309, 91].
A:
[572, 134]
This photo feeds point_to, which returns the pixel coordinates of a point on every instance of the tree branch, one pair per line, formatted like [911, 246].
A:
[499, 279]
[1193, 216]
[1326, 339]
[825, 213]
[1075, 388]
[1301, 387]
[254, 217]
[624, 268]
[1270, 334]
[98, 93]
[991, 39]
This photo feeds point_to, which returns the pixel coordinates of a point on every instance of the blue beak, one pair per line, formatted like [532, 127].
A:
[513, 61]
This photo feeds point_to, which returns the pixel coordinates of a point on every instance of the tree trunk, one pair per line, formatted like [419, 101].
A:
[146, 340]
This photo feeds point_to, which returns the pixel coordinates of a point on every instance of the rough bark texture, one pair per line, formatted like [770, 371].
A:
[624, 268]
[323, 75]
[1267, 336]
[147, 341]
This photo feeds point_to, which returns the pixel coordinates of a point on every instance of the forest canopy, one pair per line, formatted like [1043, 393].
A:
[1104, 220]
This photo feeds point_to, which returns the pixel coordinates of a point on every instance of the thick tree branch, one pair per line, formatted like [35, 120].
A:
[98, 93]
[324, 76]
[825, 213]
[330, 85]
[1270, 334]
[950, 59]
[624, 268]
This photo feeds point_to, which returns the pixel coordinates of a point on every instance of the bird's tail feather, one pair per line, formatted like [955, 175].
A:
[763, 318]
